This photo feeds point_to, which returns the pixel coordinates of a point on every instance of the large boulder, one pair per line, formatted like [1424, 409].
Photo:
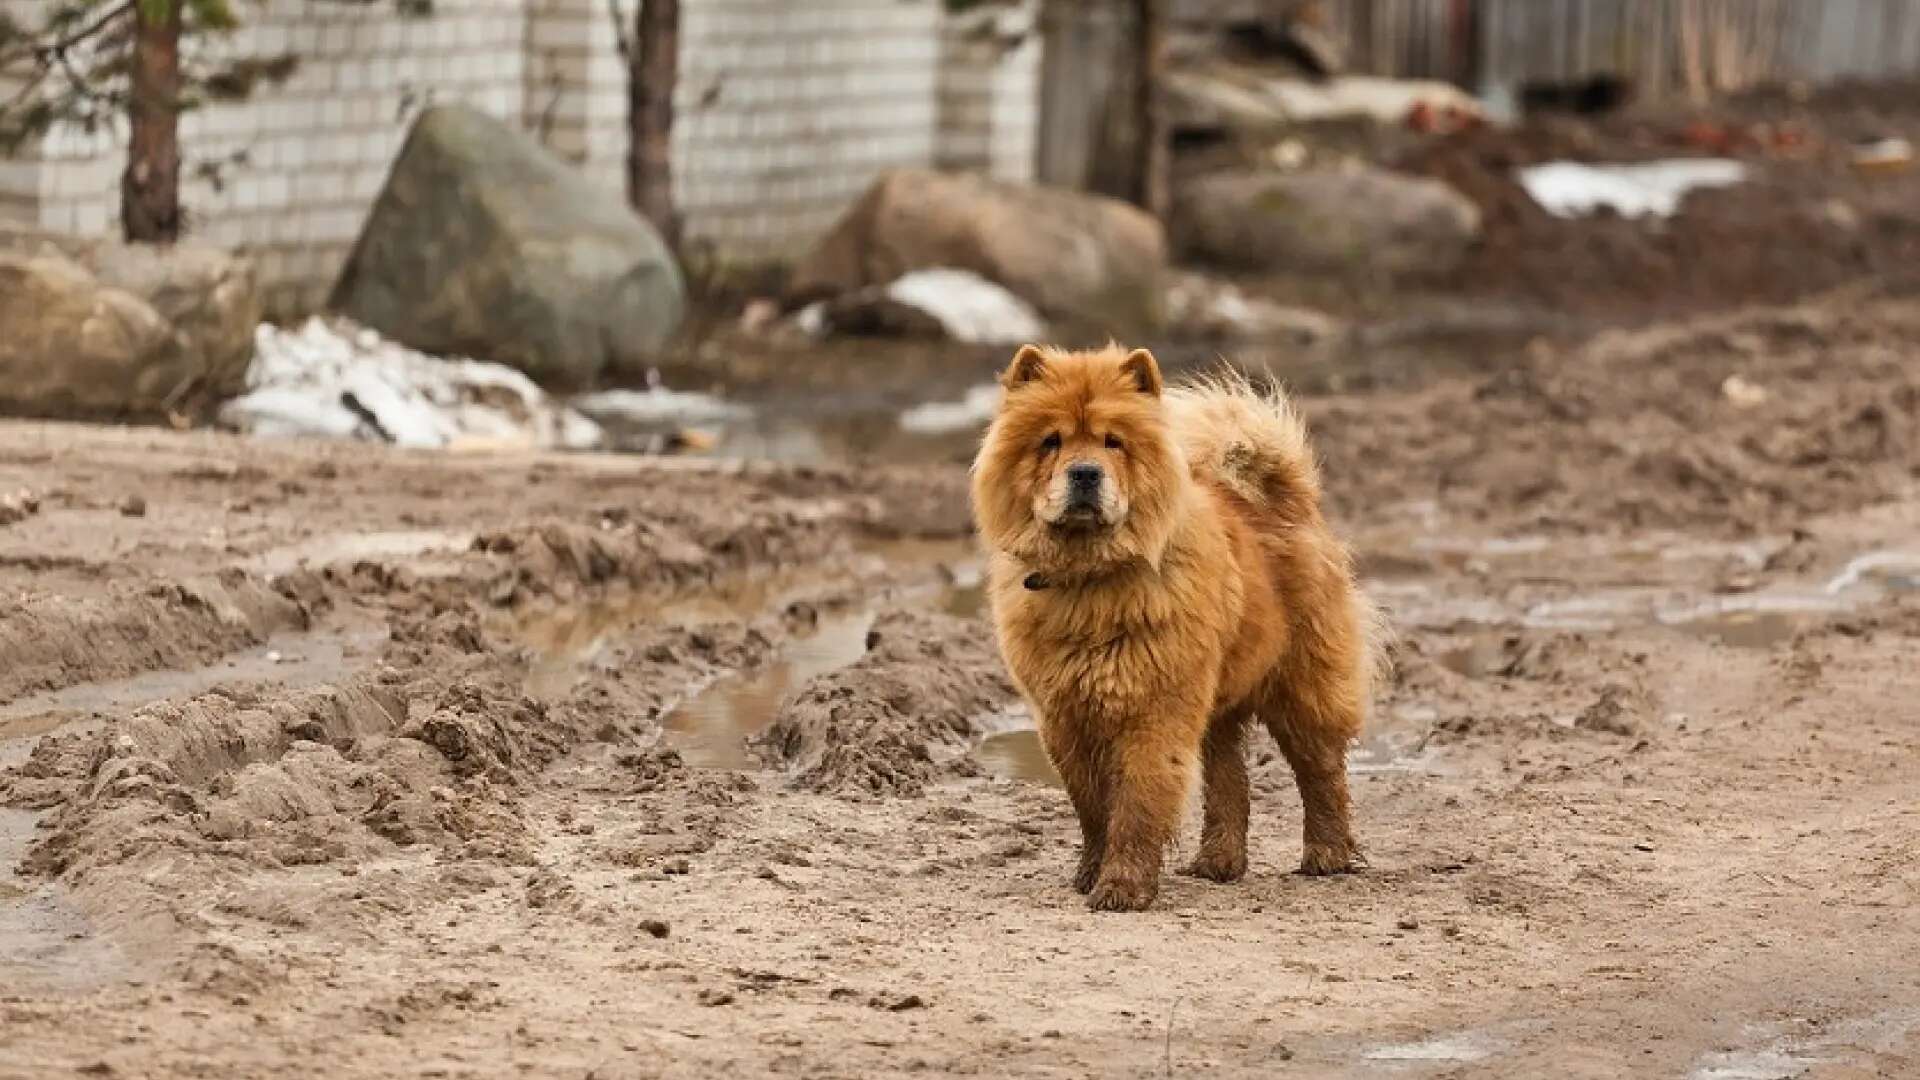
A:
[75, 348]
[1324, 220]
[1076, 257]
[484, 244]
[212, 298]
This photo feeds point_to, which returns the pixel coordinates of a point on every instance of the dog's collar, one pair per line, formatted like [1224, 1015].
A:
[1037, 581]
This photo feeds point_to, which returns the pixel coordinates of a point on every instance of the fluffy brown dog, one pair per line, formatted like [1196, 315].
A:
[1160, 574]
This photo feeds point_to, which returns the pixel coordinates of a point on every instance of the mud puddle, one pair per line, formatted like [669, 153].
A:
[710, 729]
[352, 547]
[1758, 619]
[1012, 750]
[1781, 1050]
[286, 658]
[46, 943]
[798, 434]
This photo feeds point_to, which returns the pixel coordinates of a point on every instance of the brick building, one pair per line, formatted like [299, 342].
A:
[786, 109]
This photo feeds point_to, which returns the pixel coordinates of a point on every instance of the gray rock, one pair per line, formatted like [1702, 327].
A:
[1076, 257]
[77, 349]
[484, 244]
[1325, 220]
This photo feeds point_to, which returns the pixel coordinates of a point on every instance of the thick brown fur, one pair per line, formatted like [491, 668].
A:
[1198, 589]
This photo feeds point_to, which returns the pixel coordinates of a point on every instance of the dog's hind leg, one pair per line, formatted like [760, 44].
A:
[1223, 825]
[1313, 716]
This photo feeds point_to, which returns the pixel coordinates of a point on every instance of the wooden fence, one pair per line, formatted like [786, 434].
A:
[1666, 47]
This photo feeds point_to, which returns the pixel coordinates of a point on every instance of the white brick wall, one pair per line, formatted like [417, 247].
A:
[786, 109]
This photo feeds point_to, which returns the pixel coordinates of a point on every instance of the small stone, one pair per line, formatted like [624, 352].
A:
[1408, 922]
[656, 927]
[133, 506]
[713, 998]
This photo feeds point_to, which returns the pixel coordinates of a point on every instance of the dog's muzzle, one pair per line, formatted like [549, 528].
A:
[1084, 480]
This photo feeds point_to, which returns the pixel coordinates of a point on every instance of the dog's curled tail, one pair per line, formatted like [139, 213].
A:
[1248, 440]
[1254, 443]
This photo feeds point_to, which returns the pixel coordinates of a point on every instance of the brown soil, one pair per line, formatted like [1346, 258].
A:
[1806, 221]
[349, 762]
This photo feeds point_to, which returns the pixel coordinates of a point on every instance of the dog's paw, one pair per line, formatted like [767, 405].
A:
[1119, 894]
[1086, 875]
[1217, 866]
[1319, 860]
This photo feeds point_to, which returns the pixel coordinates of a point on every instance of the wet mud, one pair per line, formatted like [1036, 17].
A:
[348, 762]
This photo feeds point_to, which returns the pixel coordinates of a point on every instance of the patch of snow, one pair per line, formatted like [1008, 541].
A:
[657, 404]
[332, 379]
[969, 307]
[1569, 189]
[940, 417]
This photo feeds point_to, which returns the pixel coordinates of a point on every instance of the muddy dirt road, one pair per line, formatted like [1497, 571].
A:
[333, 761]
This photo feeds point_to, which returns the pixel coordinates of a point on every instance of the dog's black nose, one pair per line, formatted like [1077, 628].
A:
[1083, 476]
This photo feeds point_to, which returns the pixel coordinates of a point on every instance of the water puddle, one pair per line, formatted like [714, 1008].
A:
[1012, 750]
[46, 943]
[295, 658]
[351, 547]
[1746, 629]
[1459, 1048]
[1787, 1049]
[1757, 620]
[565, 639]
[1396, 742]
[711, 728]
[793, 434]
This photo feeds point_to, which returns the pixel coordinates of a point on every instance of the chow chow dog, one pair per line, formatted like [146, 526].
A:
[1160, 575]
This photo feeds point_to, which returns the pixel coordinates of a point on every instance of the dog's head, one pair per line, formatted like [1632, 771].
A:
[1078, 470]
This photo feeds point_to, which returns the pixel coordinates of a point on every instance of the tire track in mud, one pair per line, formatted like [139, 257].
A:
[433, 742]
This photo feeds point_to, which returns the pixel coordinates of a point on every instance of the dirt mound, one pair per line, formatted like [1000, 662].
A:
[438, 745]
[899, 717]
[674, 546]
[1801, 225]
[1730, 423]
[52, 642]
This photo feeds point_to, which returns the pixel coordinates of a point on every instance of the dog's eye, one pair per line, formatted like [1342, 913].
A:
[1051, 443]
[1113, 442]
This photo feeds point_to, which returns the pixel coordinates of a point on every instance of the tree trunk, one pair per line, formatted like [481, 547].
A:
[653, 67]
[1154, 161]
[150, 188]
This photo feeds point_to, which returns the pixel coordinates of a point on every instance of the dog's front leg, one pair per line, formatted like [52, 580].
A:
[1153, 766]
[1079, 762]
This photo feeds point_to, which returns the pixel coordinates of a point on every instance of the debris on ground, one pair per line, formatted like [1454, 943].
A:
[333, 379]
[18, 506]
[1890, 155]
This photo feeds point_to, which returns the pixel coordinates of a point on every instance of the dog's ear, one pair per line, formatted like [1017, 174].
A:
[1141, 367]
[1027, 365]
